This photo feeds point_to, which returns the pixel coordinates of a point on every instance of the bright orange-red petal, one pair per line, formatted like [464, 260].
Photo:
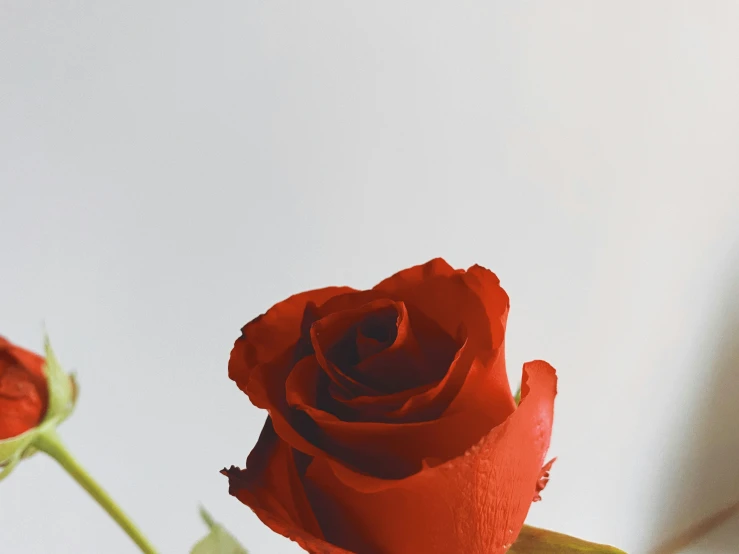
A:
[475, 503]
[23, 390]
[412, 276]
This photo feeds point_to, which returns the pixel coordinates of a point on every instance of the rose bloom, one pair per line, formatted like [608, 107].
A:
[23, 391]
[392, 428]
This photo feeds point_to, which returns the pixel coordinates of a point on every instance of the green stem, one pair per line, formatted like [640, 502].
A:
[50, 443]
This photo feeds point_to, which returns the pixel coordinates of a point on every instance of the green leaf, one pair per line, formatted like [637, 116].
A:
[218, 540]
[533, 540]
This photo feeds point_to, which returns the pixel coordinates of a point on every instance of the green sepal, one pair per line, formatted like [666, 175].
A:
[517, 396]
[12, 449]
[61, 385]
[218, 540]
[533, 540]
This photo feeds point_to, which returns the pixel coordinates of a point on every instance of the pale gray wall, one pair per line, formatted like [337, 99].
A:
[170, 169]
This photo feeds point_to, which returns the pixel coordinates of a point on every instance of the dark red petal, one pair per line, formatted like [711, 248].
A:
[266, 389]
[435, 425]
[408, 363]
[270, 335]
[423, 403]
[422, 349]
[475, 503]
[396, 450]
[271, 486]
[263, 357]
[326, 335]
[347, 345]
[302, 385]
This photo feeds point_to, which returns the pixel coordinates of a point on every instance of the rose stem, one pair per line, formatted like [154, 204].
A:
[50, 443]
[697, 531]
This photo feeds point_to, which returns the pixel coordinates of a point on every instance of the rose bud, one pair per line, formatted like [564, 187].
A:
[35, 395]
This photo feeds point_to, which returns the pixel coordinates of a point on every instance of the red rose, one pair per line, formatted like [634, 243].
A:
[392, 428]
[23, 392]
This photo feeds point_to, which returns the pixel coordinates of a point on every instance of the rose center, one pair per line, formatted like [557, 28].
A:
[375, 333]
[376, 329]
[376, 349]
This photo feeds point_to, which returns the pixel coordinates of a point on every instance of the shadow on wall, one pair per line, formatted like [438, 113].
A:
[705, 478]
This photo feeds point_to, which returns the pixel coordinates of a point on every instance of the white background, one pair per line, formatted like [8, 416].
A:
[170, 169]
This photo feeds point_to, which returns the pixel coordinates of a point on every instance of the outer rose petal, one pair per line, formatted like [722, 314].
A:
[476, 503]
[486, 286]
[411, 276]
[271, 486]
[25, 358]
[23, 392]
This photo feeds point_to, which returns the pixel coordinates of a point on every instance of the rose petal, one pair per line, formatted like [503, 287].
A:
[476, 300]
[24, 358]
[408, 364]
[271, 486]
[262, 358]
[452, 298]
[23, 390]
[438, 291]
[397, 364]
[475, 503]
[441, 423]
[303, 383]
[267, 389]
[396, 450]
[349, 301]
[486, 286]
[326, 335]
[273, 333]
[423, 363]
[432, 360]
[412, 276]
